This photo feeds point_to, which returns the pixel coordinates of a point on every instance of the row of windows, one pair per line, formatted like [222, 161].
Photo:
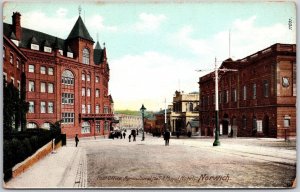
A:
[224, 96]
[67, 98]
[31, 125]
[43, 108]
[87, 92]
[88, 78]
[86, 127]
[43, 70]
[68, 118]
[50, 87]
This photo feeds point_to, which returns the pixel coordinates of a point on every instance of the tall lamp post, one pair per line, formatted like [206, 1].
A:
[142, 111]
[217, 141]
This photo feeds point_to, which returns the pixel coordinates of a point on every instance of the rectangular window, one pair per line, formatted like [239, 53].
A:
[88, 77]
[50, 107]
[83, 77]
[50, 71]
[254, 91]
[43, 107]
[106, 111]
[97, 79]
[97, 109]
[97, 126]
[244, 92]
[286, 121]
[67, 98]
[43, 70]
[97, 92]
[88, 92]
[83, 92]
[47, 49]
[83, 108]
[43, 87]
[68, 118]
[35, 47]
[31, 86]
[31, 107]
[233, 95]
[11, 58]
[259, 125]
[31, 68]
[18, 63]
[227, 96]
[69, 54]
[50, 88]
[266, 89]
[88, 109]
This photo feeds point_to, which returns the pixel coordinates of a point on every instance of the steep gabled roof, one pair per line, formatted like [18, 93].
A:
[79, 30]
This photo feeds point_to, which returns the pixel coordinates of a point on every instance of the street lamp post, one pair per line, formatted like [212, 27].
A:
[142, 111]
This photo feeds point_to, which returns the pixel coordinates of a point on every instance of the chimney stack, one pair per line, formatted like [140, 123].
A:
[16, 25]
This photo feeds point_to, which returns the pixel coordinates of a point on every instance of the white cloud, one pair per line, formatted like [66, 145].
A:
[61, 12]
[149, 22]
[97, 22]
[150, 77]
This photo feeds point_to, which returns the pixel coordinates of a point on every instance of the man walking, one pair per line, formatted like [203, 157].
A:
[76, 139]
[167, 137]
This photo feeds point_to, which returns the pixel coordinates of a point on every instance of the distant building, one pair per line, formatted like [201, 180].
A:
[66, 79]
[185, 109]
[259, 100]
[129, 121]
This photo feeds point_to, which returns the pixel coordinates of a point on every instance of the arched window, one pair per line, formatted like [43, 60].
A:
[46, 125]
[85, 56]
[85, 127]
[31, 125]
[67, 78]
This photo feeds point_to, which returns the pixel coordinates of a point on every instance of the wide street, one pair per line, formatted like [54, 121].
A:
[237, 163]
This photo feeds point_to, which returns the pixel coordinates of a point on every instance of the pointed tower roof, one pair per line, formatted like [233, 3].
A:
[79, 30]
[98, 45]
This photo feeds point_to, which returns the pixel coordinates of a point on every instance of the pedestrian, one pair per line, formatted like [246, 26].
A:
[129, 137]
[76, 139]
[134, 135]
[177, 134]
[124, 135]
[167, 137]
[121, 135]
[137, 132]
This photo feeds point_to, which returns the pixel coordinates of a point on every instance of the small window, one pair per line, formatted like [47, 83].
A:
[266, 88]
[50, 107]
[83, 108]
[43, 87]
[97, 79]
[83, 77]
[43, 107]
[11, 58]
[85, 56]
[18, 63]
[31, 125]
[69, 54]
[254, 91]
[88, 92]
[31, 86]
[35, 47]
[259, 125]
[97, 92]
[244, 92]
[287, 121]
[97, 109]
[47, 49]
[83, 92]
[88, 109]
[46, 126]
[88, 77]
[50, 71]
[43, 70]
[50, 88]
[31, 107]
[31, 68]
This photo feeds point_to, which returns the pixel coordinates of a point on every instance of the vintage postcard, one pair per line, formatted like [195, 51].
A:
[152, 94]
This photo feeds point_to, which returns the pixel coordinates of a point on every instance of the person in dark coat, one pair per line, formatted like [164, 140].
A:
[167, 137]
[129, 137]
[134, 135]
[124, 135]
[76, 139]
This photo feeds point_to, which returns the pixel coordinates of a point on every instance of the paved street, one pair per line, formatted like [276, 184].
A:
[190, 163]
[237, 163]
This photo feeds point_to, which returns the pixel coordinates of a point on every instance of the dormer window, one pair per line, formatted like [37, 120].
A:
[69, 54]
[85, 56]
[35, 47]
[61, 52]
[16, 42]
[47, 49]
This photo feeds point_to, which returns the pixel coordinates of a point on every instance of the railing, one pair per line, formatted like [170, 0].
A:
[96, 116]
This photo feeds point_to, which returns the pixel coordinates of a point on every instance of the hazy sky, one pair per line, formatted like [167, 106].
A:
[154, 48]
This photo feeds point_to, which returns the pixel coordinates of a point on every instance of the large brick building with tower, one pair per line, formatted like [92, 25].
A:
[65, 79]
[258, 100]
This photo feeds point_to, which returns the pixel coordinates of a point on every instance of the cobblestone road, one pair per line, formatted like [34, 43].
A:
[237, 163]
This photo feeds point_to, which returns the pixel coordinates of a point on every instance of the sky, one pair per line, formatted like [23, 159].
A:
[154, 49]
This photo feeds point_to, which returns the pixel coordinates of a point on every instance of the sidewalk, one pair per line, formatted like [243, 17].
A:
[66, 168]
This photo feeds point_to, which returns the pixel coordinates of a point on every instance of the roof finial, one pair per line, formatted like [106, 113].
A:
[79, 9]
[104, 44]
[97, 36]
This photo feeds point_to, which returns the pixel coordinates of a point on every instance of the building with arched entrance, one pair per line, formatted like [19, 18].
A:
[259, 100]
[66, 79]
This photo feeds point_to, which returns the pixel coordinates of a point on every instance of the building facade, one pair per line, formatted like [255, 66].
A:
[129, 121]
[258, 100]
[185, 109]
[66, 79]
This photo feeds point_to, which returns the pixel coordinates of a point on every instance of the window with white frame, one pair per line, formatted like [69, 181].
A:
[83, 77]
[88, 108]
[18, 63]
[83, 91]
[31, 86]
[50, 88]
[83, 108]
[67, 78]
[43, 70]
[50, 71]
[43, 87]
[46, 126]
[227, 96]
[97, 79]
[259, 125]
[68, 118]
[31, 125]
[31, 68]
[97, 92]
[286, 121]
[11, 58]
[254, 90]
[50, 107]
[233, 95]
[105, 110]
[244, 92]
[47, 49]
[43, 107]
[85, 127]
[67, 98]
[31, 107]
[35, 47]
[88, 77]
[85, 56]
[97, 109]
[88, 92]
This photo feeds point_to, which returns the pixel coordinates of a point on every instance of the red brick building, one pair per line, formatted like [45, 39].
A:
[258, 100]
[66, 79]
